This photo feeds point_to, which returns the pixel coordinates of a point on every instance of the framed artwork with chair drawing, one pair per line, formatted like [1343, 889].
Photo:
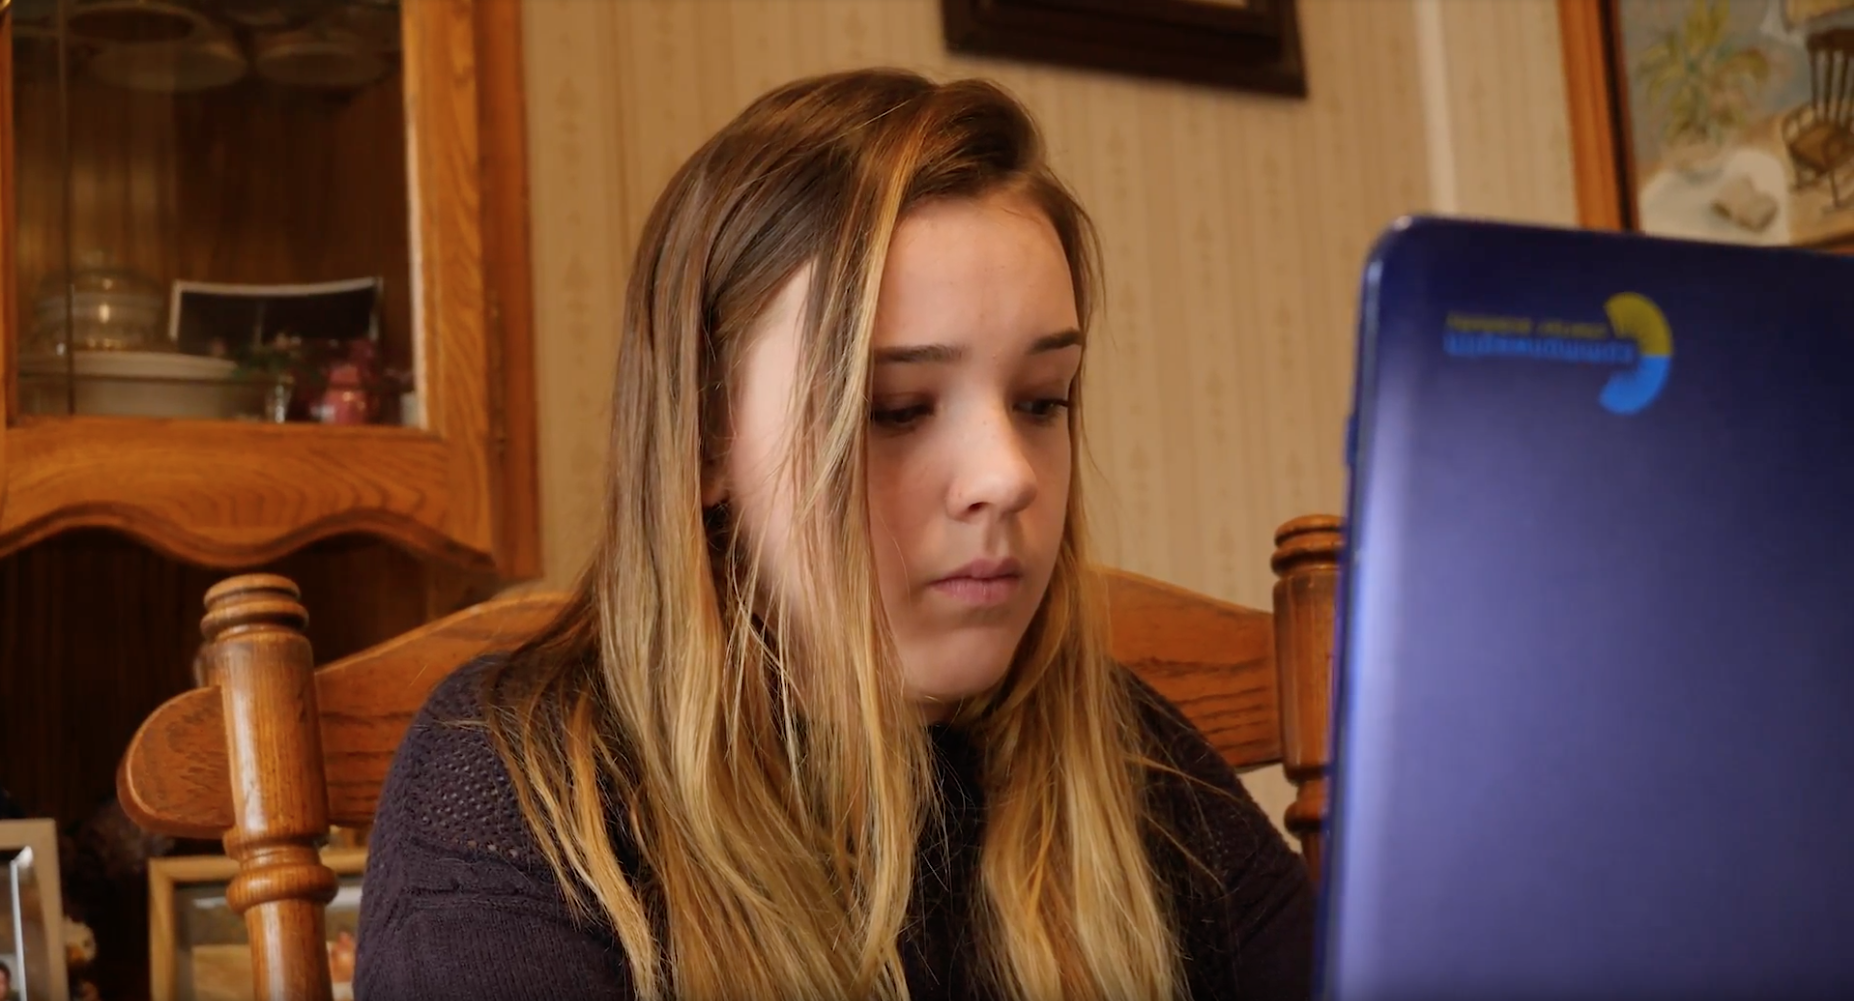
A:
[1722, 120]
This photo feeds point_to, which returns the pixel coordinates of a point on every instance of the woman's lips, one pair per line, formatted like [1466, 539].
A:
[982, 583]
[979, 591]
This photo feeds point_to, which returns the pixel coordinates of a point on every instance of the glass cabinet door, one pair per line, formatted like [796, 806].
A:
[210, 210]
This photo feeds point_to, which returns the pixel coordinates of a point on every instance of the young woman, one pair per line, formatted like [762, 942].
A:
[831, 714]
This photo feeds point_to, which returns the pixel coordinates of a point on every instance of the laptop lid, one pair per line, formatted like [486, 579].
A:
[1594, 696]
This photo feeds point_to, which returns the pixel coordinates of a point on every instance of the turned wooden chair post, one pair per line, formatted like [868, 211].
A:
[1306, 565]
[260, 660]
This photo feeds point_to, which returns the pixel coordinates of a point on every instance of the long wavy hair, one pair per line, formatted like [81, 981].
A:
[730, 776]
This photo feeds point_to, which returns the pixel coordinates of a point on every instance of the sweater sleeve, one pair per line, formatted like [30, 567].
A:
[458, 902]
[1244, 899]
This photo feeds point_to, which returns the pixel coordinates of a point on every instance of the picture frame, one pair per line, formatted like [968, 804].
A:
[32, 925]
[1249, 45]
[1721, 120]
[197, 947]
[217, 319]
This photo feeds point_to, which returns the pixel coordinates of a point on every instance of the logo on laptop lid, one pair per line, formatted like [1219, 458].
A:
[1634, 339]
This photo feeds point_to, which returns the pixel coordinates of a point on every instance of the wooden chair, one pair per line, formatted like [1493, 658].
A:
[271, 752]
[1820, 134]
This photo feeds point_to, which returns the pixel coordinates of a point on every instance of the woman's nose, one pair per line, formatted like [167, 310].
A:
[993, 469]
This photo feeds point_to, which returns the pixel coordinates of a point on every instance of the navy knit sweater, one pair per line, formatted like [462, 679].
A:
[460, 903]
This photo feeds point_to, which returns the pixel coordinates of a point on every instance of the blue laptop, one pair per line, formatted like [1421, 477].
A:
[1595, 677]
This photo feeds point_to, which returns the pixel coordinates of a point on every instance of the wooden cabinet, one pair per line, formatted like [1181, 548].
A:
[279, 177]
[264, 305]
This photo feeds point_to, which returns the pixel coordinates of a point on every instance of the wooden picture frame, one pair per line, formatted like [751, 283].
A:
[1646, 161]
[186, 896]
[32, 928]
[1251, 45]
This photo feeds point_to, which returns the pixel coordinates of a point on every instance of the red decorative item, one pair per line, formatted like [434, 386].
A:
[344, 401]
[347, 397]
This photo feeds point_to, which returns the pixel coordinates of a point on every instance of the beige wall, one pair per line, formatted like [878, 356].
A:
[1234, 227]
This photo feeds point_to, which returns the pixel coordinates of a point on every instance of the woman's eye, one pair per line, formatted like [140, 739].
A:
[906, 418]
[1046, 410]
[899, 418]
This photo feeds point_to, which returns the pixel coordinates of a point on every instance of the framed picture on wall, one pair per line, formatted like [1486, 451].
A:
[198, 949]
[1721, 120]
[1249, 45]
[32, 915]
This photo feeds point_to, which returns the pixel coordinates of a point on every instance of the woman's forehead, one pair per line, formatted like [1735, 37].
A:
[971, 272]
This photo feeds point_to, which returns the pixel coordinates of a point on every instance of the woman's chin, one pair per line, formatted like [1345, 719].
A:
[940, 692]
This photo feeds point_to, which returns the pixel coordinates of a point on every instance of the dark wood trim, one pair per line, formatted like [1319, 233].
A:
[515, 433]
[1254, 48]
[9, 291]
[1261, 17]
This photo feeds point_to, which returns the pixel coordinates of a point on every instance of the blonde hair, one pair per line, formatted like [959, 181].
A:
[775, 844]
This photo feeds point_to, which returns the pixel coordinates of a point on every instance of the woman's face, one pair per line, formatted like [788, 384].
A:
[977, 347]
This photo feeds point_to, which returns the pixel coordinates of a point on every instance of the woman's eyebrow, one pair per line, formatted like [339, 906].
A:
[946, 354]
[924, 354]
[1056, 341]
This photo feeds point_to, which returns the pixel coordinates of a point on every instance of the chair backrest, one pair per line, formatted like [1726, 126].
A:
[271, 752]
[1831, 75]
